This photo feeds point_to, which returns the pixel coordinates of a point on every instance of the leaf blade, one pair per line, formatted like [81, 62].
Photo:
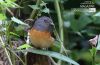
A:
[18, 21]
[52, 54]
[24, 46]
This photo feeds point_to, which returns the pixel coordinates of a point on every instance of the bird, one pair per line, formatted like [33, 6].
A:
[41, 36]
[41, 31]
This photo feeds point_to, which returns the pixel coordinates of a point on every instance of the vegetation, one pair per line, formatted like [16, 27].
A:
[73, 28]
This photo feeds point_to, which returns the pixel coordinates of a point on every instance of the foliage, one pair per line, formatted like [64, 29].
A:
[75, 28]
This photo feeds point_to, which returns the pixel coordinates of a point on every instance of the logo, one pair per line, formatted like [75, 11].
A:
[86, 6]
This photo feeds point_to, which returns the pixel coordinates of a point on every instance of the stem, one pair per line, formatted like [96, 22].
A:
[34, 12]
[94, 55]
[59, 20]
[10, 12]
[93, 60]
[60, 26]
[54, 63]
[25, 58]
[16, 56]
[7, 53]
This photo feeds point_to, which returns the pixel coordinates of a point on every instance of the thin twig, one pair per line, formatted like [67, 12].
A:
[54, 63]
[11, 13]
[32, 15]
[7, 53]
[17, 56]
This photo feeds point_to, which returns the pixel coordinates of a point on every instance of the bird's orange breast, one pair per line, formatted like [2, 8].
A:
[41, 39]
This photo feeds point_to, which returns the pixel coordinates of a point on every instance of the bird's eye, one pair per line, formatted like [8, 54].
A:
[46, 21]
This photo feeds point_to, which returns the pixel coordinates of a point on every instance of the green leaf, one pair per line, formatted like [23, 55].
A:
[43, 4]
[52, 54]
[57, 44]
[93, 51]
[1, 0]
[12, 33]
[96, 20]
[46, 10]
[2, 16]
[19, 21]
[20, 28]
[97, 2]
[98, 45]
[34, 7]
[24, 46]
[13, 0]
[98, 64]
[97, 14]
[81, 23]
[14, 5]
[74, 25]
[9, 3]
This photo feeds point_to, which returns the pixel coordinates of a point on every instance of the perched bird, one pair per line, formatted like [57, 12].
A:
[40, 32]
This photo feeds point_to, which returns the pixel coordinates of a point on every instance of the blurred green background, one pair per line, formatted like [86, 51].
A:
[79, 26]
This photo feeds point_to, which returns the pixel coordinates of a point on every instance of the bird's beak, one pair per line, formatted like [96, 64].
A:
[52, 23]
